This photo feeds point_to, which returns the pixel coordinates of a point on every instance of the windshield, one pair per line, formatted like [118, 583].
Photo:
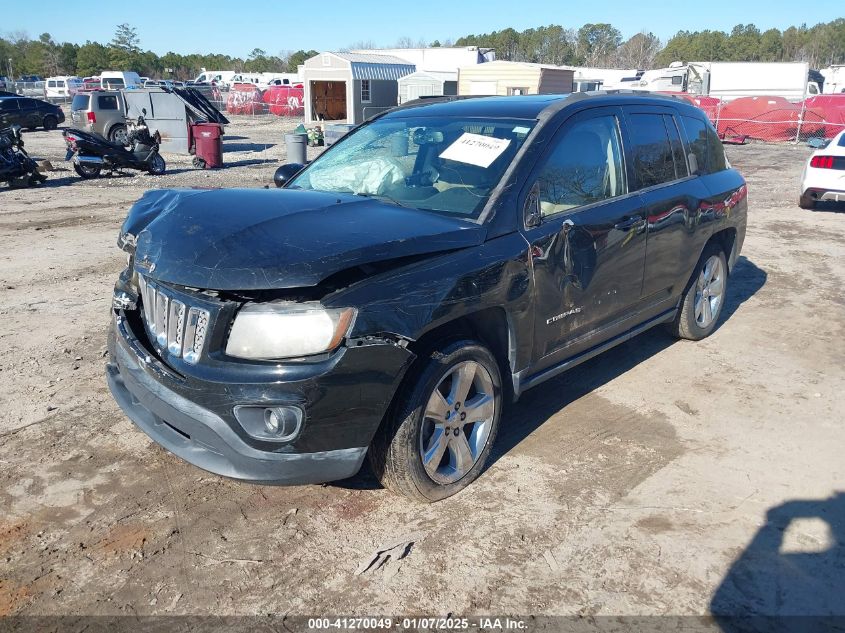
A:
[441, 164]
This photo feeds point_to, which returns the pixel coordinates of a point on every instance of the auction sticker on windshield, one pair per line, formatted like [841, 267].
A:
[476, 149]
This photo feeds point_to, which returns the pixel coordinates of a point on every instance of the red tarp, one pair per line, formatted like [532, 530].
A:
[769, 119]
[832, 109]
[244, 99]
[285, 100]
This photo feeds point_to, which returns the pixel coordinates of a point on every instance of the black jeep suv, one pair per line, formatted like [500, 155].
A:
[436, 262]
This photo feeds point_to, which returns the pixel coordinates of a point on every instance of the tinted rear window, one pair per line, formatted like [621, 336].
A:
[653, 161]
[113, 82]
[80, 102]
[107, 102]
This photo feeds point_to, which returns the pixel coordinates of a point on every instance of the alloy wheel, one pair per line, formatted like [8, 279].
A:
[709, 291]
[457, 422]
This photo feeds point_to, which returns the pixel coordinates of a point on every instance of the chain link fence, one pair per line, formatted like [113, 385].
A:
[775, 119]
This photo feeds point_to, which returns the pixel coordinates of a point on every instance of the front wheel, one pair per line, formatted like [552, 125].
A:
[440, 431]
[157, 165]
[702, 303]
[86, 171]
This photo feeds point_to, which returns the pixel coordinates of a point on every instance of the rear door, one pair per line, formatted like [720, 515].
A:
[30, 115]
[671, 197]
[10, 112]
[588, 249]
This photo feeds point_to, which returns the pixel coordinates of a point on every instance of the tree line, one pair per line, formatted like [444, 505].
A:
[43, 56]
[591, 45]
[602, 45]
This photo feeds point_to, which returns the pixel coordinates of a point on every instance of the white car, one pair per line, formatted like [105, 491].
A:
[824, 174]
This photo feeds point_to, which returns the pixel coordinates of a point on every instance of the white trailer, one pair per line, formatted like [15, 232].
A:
[223, 78]
[834, 79]
[732, 80]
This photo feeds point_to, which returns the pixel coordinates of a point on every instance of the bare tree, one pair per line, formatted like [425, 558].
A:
[639, 51]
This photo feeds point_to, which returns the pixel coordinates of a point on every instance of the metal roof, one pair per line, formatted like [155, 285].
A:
[434, 74]
[367, 66]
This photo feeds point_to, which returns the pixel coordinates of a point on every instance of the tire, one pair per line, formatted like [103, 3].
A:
[704, 297]
[50, 123]
[157, 165]
[420, 422]
[118, 134]
[806, 201]
[86, 172]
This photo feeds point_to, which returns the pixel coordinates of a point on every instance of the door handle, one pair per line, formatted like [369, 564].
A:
[628, 223]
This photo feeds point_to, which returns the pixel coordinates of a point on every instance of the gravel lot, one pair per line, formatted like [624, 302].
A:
[662, 477]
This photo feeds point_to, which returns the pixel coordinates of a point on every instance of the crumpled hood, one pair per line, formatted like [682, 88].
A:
[258, 239]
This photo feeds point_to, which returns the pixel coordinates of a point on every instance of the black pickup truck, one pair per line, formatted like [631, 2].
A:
[432, 265]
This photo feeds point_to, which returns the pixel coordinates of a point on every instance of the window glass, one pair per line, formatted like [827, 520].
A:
[653, 162]
[586, 166]
[696, 132]
[365, 90]
[7, 105]
[107, 102]
[678, 157]
[717, 151]
[51, 84]
[60, 83]
[80, 102]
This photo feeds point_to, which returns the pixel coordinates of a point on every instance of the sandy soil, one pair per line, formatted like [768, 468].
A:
[639, 483]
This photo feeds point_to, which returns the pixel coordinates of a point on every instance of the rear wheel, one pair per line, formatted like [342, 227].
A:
[157, 165]
[118, 134]
[702, 303]
[50, 123]
[440, 431]
[86, 171]
[806, 201]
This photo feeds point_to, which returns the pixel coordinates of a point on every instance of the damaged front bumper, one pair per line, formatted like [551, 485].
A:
[343, 400]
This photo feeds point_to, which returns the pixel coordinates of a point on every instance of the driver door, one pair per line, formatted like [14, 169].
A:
[587, 237]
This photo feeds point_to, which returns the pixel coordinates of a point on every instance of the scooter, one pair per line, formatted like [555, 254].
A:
[94, 153]
[16, 167]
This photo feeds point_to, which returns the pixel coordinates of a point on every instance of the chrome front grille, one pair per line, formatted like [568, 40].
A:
[172, 324]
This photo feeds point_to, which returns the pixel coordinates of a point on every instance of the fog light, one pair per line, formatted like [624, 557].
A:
[281, 423]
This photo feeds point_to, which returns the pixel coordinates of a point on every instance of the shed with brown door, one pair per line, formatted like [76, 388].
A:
[351, 87]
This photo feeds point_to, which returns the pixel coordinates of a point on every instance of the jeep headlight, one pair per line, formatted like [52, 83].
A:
[269, 331]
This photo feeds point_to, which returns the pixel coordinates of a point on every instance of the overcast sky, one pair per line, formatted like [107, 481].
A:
[235, 28]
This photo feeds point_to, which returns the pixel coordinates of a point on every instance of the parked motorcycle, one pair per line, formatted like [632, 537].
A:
[94, 153]
[16, 167]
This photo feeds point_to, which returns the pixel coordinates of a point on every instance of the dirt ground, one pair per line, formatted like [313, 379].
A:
[662, 477]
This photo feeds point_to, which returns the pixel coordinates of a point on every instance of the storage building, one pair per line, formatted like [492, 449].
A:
[425, 83]
[514, 78]
[351, 87]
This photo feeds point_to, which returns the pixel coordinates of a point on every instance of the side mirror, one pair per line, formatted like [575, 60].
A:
[286, 172]
[533, 215]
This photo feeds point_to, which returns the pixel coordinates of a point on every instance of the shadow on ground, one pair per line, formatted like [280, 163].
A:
[247, 147]
[791, 577]
[538, 405]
